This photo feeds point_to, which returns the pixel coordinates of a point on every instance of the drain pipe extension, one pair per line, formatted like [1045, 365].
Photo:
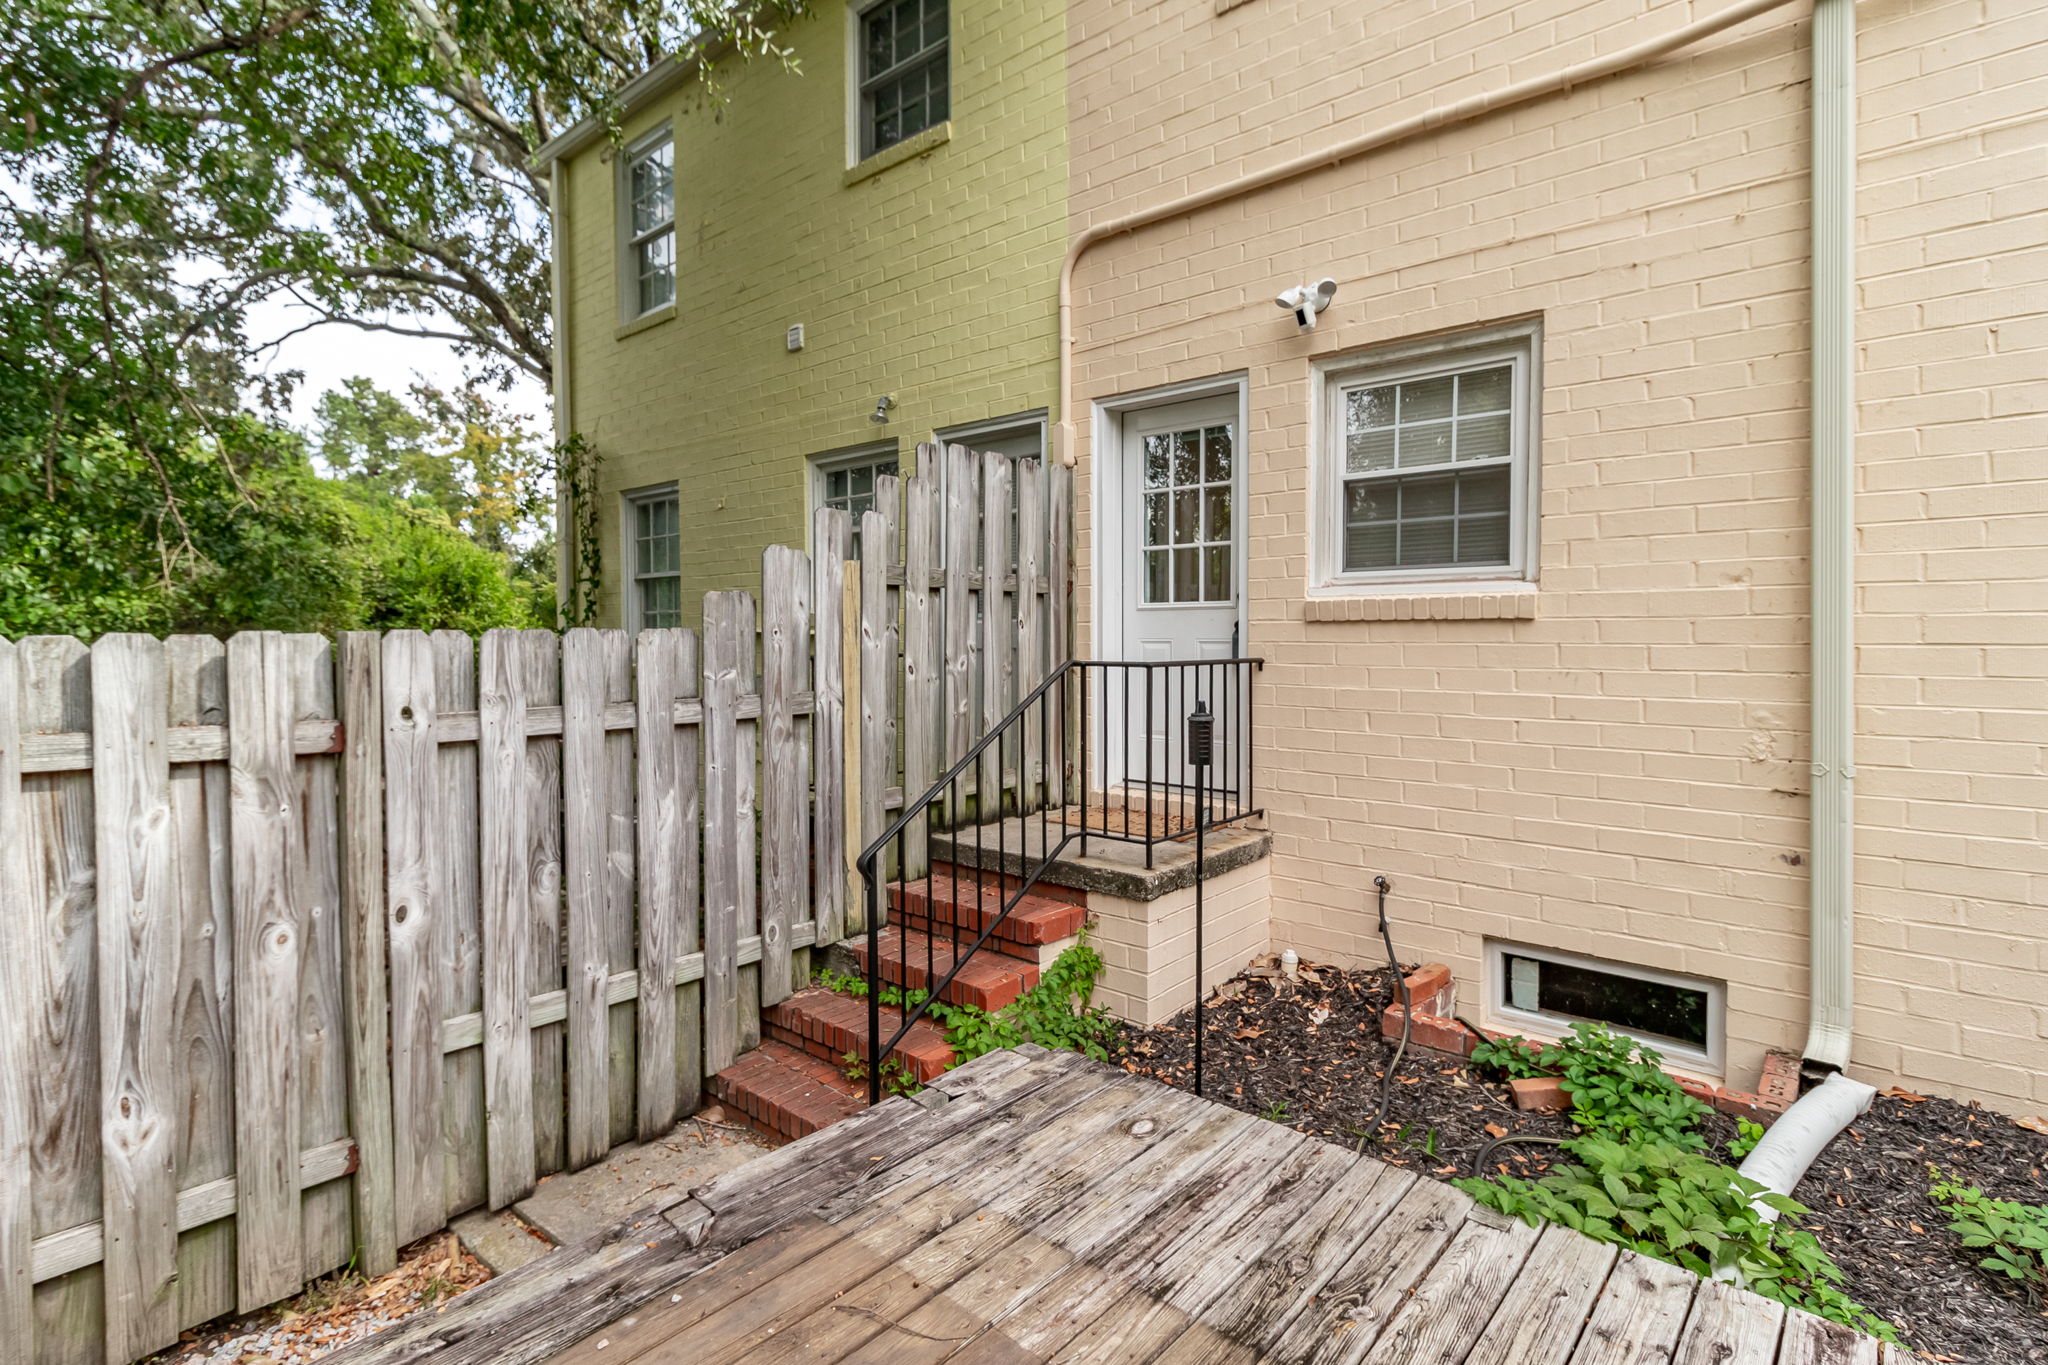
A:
[1832, 882]
[1780, 1158]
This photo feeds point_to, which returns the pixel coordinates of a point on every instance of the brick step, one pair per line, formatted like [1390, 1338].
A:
[829, 1026]
[957, 897]
[785, 1092]
[987, 980]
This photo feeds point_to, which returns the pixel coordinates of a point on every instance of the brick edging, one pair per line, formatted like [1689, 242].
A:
[1429, 987]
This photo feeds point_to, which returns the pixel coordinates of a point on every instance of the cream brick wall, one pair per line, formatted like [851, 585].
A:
[1624, 775]
[932, 281]
[1148, 947]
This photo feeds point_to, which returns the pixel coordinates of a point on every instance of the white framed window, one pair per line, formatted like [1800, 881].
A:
[654, 555]
[647, 225]
[903, 57]
[1428, 464]
[1545, 992]
[847, 482]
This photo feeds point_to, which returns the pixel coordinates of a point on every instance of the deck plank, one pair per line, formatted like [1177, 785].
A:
[1443, 1318]
[1353, 1308]
[1640, 1313]
[1809, 1340]
[1544, 1313]
[1248, 1315]
[1729, 1326]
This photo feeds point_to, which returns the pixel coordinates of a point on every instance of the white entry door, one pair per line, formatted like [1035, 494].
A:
[1183, 541]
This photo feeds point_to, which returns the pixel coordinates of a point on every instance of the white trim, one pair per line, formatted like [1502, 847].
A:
[629, 549]
[1521, 345]
[1710, 1060]
[966, 433]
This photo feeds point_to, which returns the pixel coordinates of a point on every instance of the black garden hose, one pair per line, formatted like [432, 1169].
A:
[1383, 886]
[1479, 1161]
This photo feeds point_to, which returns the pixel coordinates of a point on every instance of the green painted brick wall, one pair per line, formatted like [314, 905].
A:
[933, 281]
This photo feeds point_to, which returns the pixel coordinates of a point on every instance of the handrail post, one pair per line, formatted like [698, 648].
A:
[868, 870]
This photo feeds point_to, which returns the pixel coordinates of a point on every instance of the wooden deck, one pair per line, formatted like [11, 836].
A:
[1035, 1206]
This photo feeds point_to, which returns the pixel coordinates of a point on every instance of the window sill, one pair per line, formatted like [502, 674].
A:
[1481, 602]
[932, 138]
[646, 320]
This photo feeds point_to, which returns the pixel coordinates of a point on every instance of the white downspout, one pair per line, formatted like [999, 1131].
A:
[558, 234]
[1832, 879]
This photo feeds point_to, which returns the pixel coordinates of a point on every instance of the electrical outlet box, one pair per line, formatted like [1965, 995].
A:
[794, 340]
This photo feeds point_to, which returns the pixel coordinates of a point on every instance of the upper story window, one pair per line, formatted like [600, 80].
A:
[848, 484]
[654, 526]
[905, 84]
[1429, 461]
[648, 228]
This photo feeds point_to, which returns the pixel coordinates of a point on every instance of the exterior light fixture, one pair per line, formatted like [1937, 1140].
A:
[881, 413]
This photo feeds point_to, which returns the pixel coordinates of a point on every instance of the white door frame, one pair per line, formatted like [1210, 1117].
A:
[1111, 524]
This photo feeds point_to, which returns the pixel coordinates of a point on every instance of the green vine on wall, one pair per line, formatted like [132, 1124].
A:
[576, 462]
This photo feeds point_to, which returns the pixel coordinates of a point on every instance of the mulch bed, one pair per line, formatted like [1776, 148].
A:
[1308, 1053]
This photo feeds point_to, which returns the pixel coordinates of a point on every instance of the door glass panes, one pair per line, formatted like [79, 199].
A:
[1185, 516]
[1428, 467]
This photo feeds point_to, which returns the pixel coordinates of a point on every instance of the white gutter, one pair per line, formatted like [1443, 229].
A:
[1832, 880]
[558, 237]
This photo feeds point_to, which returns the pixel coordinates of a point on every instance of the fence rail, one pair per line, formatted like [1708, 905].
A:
[307, 946]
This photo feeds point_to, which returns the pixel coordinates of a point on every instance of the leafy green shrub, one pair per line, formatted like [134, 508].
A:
[1615, 1084]
[1669, 1202]
[1748, 1133]
[2014, 1236]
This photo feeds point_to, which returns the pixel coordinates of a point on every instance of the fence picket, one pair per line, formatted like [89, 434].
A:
[785, 847]
[460, 926]
[17, 954]
[663, 910]
[269, 967]
[414, 913]
[722, 862]
[689, 765]
[921, 682]
[584, 854]
[877, 752]
[138, 964]
[1030, 651]
[618, 877]
[541, 662]
[831, 541]
[889, 502]
[203, 1045]
[507, 935]
[365, 1002]
[747, 853]
[998, 632]
[963, 502]
[327, 1213]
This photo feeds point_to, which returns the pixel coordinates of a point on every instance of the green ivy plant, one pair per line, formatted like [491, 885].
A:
[2013, 1236]
[1668, 1201]
[1748, 1133]
[1616, 1085]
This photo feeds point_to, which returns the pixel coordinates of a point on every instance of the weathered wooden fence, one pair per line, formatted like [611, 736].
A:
[308, 946]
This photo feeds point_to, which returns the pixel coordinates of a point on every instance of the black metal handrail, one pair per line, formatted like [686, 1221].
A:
[1020, 771]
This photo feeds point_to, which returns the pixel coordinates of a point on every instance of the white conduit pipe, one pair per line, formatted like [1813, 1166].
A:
[1460, 111]
[1780, 1158]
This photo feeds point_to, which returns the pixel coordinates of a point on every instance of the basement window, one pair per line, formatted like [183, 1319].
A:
[1547, 992]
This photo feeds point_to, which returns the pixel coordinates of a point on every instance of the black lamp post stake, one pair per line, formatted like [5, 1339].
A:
[1200, 744]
